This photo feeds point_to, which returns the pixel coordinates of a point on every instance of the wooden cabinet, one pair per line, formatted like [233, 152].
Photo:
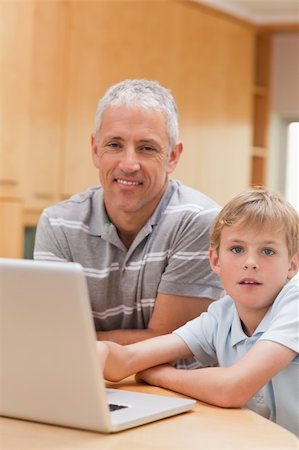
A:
[16, 24]
[58, 57]
[46, 106]
[260, 108]
[11, 229]
[16, 35]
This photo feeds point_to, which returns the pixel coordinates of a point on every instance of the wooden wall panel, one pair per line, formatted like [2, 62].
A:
[206, 59]
[16, 24]
[104, 50]
[11, 229]
[46, 106]
[216, 66]
[58, 57]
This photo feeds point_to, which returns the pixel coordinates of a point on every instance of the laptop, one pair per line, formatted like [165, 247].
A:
[50, 367]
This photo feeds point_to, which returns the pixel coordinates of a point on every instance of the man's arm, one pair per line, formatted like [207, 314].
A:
[229, 387]
[120, 361]
[170, 312]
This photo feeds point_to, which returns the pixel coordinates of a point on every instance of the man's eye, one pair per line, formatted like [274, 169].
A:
[146, 149]
[268, 251]
[237, 249]
[113, 145]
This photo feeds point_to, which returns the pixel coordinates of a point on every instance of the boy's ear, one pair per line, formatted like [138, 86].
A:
[293, 266]
[214, 260]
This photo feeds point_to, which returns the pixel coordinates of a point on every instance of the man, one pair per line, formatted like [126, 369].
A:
[141, 238]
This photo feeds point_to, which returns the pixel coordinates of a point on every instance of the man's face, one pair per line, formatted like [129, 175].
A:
[134, 160]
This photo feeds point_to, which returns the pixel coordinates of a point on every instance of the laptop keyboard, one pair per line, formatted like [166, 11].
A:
[114, 407]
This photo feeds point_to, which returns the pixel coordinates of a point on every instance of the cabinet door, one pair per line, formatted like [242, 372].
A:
[46, 108]
[261, 108]
[102, 53]
[11, 229]
[16, 33]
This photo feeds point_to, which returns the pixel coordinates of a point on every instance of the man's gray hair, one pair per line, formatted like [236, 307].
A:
[144, 94]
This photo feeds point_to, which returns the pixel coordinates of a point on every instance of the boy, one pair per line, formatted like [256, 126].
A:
[247, 343]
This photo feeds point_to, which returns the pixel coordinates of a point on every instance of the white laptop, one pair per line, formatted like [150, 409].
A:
[50, 369]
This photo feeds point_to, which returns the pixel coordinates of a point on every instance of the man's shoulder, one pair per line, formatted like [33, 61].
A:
[187, 203]
[78, 203]
[191, 197]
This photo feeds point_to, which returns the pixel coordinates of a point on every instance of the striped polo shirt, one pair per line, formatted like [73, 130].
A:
[169, 255]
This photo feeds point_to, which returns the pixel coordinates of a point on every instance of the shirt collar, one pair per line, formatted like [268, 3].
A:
[100, 223]
[237, 333]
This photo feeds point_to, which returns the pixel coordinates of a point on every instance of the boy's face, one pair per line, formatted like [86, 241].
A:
[253, 265]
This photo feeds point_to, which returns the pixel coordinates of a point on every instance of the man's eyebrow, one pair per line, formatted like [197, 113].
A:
[112, 137]
[147, 141]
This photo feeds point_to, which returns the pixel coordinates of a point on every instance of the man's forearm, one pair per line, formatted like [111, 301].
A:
[170, 313]
[125, 337]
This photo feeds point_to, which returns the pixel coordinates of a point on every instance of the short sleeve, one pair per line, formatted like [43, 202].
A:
[200, 335]
[50, 243]
[188, 270]
[284, 322]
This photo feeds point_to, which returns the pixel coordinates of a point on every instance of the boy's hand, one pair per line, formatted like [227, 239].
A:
[103, 352]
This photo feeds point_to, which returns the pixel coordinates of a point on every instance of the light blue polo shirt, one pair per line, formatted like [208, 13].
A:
[216, 338]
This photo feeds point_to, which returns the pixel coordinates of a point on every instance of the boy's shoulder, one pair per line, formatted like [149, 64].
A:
[290, 291]
[223, 309]
[287, 299]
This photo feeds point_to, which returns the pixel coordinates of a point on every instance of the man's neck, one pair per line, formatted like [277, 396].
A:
[128, 226]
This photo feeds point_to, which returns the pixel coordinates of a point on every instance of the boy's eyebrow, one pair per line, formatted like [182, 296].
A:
[267, 242]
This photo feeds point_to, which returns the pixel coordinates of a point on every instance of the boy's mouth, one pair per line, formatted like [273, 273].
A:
[250, 281]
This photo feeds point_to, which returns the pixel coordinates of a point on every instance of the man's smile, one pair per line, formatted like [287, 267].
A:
[127, 182]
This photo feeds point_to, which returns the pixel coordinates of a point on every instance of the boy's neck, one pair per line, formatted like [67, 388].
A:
[250, 319]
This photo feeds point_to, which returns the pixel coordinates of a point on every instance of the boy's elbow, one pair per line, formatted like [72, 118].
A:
[231, 401]
[232, 396]
[113, 378]
[114, 374]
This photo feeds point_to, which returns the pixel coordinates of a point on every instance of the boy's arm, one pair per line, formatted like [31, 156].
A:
[225, 386]
[121, 361]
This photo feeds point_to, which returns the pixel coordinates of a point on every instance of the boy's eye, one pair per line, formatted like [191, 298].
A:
[268, 251]
[237, 249]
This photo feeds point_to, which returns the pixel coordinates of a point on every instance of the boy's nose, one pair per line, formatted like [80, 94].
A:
[250, 263]
[252, 266]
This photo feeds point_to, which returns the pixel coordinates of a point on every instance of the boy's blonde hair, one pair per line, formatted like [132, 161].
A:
[257, 207]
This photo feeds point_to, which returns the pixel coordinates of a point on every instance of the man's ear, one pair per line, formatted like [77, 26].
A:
[214, 260]
[94, 151]
[293, 265]
[174, 157]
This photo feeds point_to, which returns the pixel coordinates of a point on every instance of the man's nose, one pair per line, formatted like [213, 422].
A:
[129, 160]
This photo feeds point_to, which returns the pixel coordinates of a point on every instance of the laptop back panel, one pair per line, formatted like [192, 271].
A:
[50, 369]
[47, 339]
